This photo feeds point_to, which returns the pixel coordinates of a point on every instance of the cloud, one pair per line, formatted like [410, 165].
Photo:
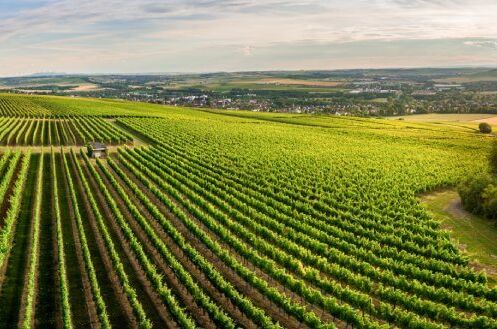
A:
[130, 29]
[482, 43]
[330, 20]
[247, 51]
[429, 3]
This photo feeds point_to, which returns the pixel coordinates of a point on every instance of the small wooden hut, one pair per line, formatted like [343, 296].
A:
[97, 150]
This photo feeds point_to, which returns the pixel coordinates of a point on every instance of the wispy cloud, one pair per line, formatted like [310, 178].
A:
[482, 43]
[128, 30]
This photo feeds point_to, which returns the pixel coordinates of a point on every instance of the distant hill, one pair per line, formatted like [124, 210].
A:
[46, 75]
[471, 76]
[488, 74]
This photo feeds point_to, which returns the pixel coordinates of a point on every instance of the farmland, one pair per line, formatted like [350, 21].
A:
[230, 219]
[383, 92]
[66, 131]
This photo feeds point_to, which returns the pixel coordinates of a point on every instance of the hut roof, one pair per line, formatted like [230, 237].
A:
[96, 146]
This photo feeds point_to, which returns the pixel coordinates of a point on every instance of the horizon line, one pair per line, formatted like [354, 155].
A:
[53, 74]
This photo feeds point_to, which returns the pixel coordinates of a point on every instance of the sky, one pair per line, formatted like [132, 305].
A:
[145, 36]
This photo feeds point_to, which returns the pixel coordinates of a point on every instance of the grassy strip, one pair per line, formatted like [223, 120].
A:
[475, 234]
[42, 134]
[34, 140]
[27, 318]
[49, 131]
[64, 290]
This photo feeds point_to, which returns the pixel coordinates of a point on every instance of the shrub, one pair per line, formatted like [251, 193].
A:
[479, 195]
[485, 128]
[471, 190]
[489, 197]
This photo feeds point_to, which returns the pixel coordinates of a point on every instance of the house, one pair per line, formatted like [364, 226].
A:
[97, 150]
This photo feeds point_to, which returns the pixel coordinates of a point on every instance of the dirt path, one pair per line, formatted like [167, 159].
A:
[455, 209]
[492, 120]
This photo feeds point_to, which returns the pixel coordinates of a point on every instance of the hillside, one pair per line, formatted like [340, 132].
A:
[227, 219]
[483, 75]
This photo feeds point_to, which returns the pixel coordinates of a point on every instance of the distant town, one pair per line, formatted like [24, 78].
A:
[346, 92]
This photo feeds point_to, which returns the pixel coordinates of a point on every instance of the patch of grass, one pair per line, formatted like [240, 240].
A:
[475, 235]
[443, 117]
[380, 100]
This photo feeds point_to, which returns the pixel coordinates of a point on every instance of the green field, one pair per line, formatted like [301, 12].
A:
[261, 81]
[231, 219]
[251, 85]
[475, 235]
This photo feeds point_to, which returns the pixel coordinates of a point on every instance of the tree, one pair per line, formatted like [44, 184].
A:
[485, 128]
[493, 158]
[489, 196]
[471, 191]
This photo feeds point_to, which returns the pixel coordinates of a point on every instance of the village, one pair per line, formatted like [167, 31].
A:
[359, 93]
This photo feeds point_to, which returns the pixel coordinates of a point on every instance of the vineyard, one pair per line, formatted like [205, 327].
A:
[229, 220]
[16, 131]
